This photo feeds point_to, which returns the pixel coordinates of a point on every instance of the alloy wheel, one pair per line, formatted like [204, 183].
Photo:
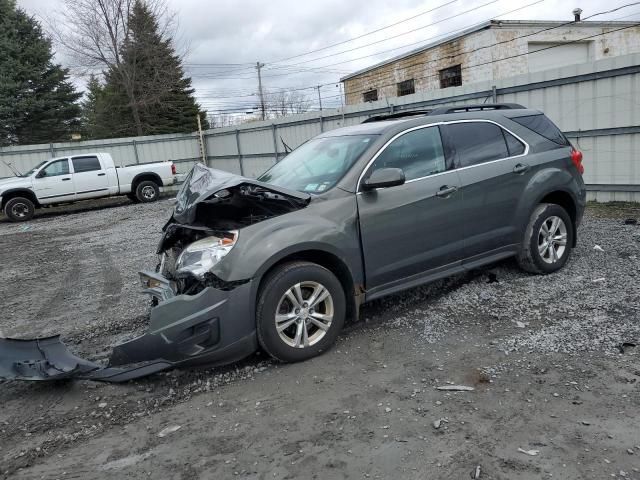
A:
[148, 192]
[552, 239]
[304, 314]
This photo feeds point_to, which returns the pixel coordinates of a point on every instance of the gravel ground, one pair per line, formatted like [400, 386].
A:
[545, 356]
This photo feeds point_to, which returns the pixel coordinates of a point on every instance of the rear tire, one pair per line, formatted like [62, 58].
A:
[548, 240]
[147, 191]
[290, 328]
[19, 209]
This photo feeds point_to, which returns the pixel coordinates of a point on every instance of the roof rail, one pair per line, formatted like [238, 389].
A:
[391, 116]
[476, 108]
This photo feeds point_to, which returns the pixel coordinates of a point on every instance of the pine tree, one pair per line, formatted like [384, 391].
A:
[148, 93]
[37, 100]
[91, 110]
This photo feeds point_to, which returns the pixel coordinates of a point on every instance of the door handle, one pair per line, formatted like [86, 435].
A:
[65, 179]
[446, 190]
[101, 174]
[520, 168]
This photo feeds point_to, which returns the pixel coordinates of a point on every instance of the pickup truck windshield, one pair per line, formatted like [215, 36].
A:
[319, 164]
[30, 172]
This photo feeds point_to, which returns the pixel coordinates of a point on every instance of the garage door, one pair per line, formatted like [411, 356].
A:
[541, 57]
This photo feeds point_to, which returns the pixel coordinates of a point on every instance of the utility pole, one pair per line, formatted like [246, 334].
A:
[203, 151]
[320, 103]
[258, 67]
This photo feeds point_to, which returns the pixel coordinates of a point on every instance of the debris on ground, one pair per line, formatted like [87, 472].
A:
[476, 473]
[456, 388]
[631, 221]
[438, 423]
[598, 248]
[625, 345]
[169, 430]
[532, 453]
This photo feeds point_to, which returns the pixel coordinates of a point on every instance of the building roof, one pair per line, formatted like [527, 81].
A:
[482, 26]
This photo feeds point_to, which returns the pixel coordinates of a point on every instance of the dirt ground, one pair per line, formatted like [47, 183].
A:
[543, 353]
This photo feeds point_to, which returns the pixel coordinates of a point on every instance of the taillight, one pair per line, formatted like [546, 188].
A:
[173, 169]
[576, 158]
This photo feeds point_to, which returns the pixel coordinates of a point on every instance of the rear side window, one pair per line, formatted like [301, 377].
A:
[477, 142]
[515, 146]
[544, 127]
[86, 164]
[418, 153]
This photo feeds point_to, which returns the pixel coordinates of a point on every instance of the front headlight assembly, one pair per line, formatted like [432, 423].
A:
[201, 256]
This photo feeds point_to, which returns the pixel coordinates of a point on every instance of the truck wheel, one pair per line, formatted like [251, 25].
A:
[547, 242]
[147, 191]
[19, 209]
[300, 311]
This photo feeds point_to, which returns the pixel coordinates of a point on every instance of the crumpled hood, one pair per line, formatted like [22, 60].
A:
[6, 183]
[202, 182]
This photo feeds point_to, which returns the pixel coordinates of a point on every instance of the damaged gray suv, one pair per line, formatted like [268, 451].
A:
[354, 214]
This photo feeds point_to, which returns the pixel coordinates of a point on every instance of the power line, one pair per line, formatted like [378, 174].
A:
[398, 35]
[365, 34]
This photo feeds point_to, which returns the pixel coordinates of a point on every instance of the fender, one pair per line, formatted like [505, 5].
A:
[26, 192]
[328, 226]
[138, 178]
[543, 183]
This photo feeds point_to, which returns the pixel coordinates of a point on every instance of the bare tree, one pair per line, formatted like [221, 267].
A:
[283, 103]
[94, 33]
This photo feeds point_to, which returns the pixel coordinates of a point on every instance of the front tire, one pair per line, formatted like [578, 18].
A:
[147, 191]
[548, 239]
[300, 311]
[19, 209]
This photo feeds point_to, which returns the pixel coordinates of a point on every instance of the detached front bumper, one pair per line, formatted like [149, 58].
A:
[214, 327]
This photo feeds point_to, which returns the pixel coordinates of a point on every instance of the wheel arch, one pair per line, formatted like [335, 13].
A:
[354, 293]
[143, 177]
[19, 192]
[565, 200]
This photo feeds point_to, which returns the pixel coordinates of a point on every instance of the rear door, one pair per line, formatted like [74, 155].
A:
[54, 183]
[89, 178]
[493, 170]
[410, 230]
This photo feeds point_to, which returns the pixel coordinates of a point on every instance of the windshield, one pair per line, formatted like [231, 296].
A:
[34, 169]
[319, 164]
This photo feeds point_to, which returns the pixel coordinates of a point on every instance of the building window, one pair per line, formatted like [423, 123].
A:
[451, 77]
[370, 96]
[406, 88]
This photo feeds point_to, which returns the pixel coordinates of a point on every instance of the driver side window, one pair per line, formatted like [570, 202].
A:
[418, 153]
[60, 167]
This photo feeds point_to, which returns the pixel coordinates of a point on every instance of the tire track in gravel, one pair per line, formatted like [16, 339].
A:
[57, 300]
[111, 278]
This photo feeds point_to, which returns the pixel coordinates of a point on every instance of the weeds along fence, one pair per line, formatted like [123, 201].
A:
[596, 104]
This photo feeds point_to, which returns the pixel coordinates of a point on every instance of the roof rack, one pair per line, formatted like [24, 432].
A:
[391, 116]
[476, 108]
[444, 110]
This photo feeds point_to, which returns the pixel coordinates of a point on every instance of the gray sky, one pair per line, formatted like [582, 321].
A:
[244, 32]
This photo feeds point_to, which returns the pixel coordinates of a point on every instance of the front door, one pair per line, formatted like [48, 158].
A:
[89, 177]
[412, 230]
[494, 171]
[54, 183]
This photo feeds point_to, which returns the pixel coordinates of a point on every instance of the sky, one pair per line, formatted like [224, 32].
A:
[223, 39]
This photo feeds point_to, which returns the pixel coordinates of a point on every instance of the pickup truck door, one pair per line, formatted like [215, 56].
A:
[53, 183]
[89, 177]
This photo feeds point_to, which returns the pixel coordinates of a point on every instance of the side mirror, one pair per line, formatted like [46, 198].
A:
[383, 178]
[41, 173]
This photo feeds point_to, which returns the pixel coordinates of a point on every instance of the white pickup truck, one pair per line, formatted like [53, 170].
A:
[80, 177]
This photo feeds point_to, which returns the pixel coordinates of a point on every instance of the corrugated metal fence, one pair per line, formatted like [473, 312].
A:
[596, 104]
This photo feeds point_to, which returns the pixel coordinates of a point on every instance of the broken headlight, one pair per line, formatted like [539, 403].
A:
[201, 256]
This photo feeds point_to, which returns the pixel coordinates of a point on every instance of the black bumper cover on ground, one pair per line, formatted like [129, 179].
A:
[212, 328]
